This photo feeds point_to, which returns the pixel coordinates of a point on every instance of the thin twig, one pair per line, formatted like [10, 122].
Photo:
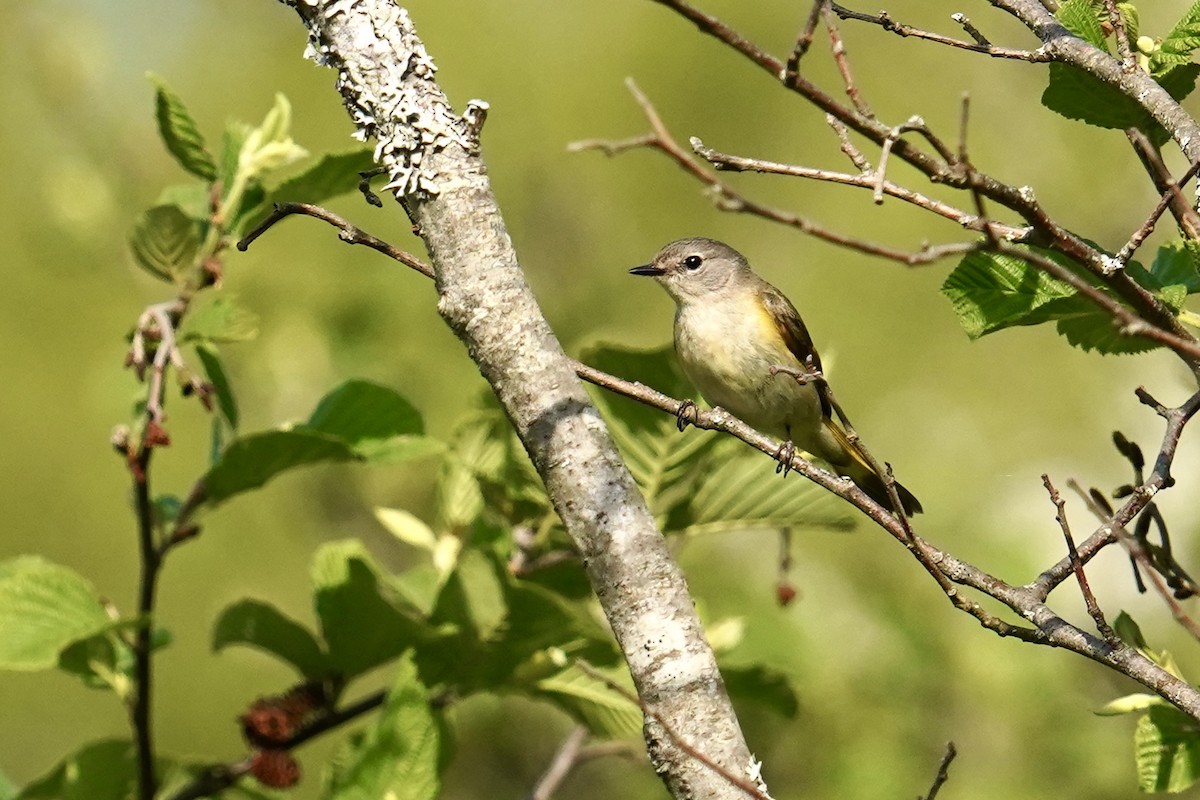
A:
[1185, 216]
[979, 45]
[561, 765]
[838, 48]
[875, 181]
[943, 772]
[804, 40]
[1170, 194]
[727, 199]
[1128, 60]
[1138, 552]
[1089, 599]
[348, 233]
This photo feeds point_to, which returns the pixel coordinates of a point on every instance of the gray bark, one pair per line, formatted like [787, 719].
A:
[431, 154]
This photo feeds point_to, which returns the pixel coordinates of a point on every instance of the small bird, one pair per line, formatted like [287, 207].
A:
[731, 328]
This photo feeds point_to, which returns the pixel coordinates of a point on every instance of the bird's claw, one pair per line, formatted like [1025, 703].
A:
[685, 415]
[784, 456]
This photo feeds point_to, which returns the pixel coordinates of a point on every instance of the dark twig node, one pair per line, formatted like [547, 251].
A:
[364, 187]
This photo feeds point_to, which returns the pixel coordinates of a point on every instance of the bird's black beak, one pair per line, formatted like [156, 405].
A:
[647, 269]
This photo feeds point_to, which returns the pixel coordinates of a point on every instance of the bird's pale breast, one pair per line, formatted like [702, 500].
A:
[727, 350]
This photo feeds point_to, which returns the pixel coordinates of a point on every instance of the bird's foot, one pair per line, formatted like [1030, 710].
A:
[686, 414]
[809, 374]
[784, 456]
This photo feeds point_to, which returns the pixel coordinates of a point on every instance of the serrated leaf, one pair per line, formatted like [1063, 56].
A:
[397, 757]
[591, 702]
[1175, 264]
[742, 492]
[1076, 94]
[252, 623]
[99, 771]
[1131, 20]
[1080, 18]
[180, 133]
[1179, 44]
[1096, 330]
[165, 242]
[44, 607]
[764, 686]
[666, 464]
[1167, 750]
[214, 372]
[333, 175]
[363, 622]
[218, 320]
[992, 291]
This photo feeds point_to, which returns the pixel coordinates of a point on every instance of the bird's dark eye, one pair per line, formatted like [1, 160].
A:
[693, 262]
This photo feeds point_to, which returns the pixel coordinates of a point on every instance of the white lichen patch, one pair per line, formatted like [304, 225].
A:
[386, 78]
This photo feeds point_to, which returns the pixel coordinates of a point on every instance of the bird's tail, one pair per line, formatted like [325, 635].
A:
[859, 470]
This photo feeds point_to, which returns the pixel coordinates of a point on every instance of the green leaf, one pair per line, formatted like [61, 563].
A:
[105, 660]
[335, 174]
[992, 291]
[165, 242]
[214, 371]
[666, 464]
[1094, 329]
[1167, 749]
[44, 608]
[218, 319]
[1178, 45]
[1132, 21]
[232, 141]
[1129, 704]
[356, 421]
[193, 199]
[398, 756]
[1129, 631]
[742, 492]
[269, 146]
[363, 622]
[1174, 265]
[256, 624]
[250, 461]
[1076, 94]
[1080, 18]
[180, 134]
[592, 702]
[764, 686]
[360, 410]
[98, 771]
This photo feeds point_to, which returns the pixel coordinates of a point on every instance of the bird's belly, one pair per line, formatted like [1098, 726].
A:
[732, 373]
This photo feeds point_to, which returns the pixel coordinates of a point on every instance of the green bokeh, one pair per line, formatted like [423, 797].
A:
[887, 671]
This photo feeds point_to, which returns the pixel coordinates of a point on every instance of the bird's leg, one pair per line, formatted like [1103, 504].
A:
[810, 373]
[685, 415]
[784, 456]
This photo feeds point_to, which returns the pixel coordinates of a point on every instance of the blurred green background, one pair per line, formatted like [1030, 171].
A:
[887, 671]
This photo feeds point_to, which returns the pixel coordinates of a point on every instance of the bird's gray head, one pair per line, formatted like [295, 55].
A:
[690, 269]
